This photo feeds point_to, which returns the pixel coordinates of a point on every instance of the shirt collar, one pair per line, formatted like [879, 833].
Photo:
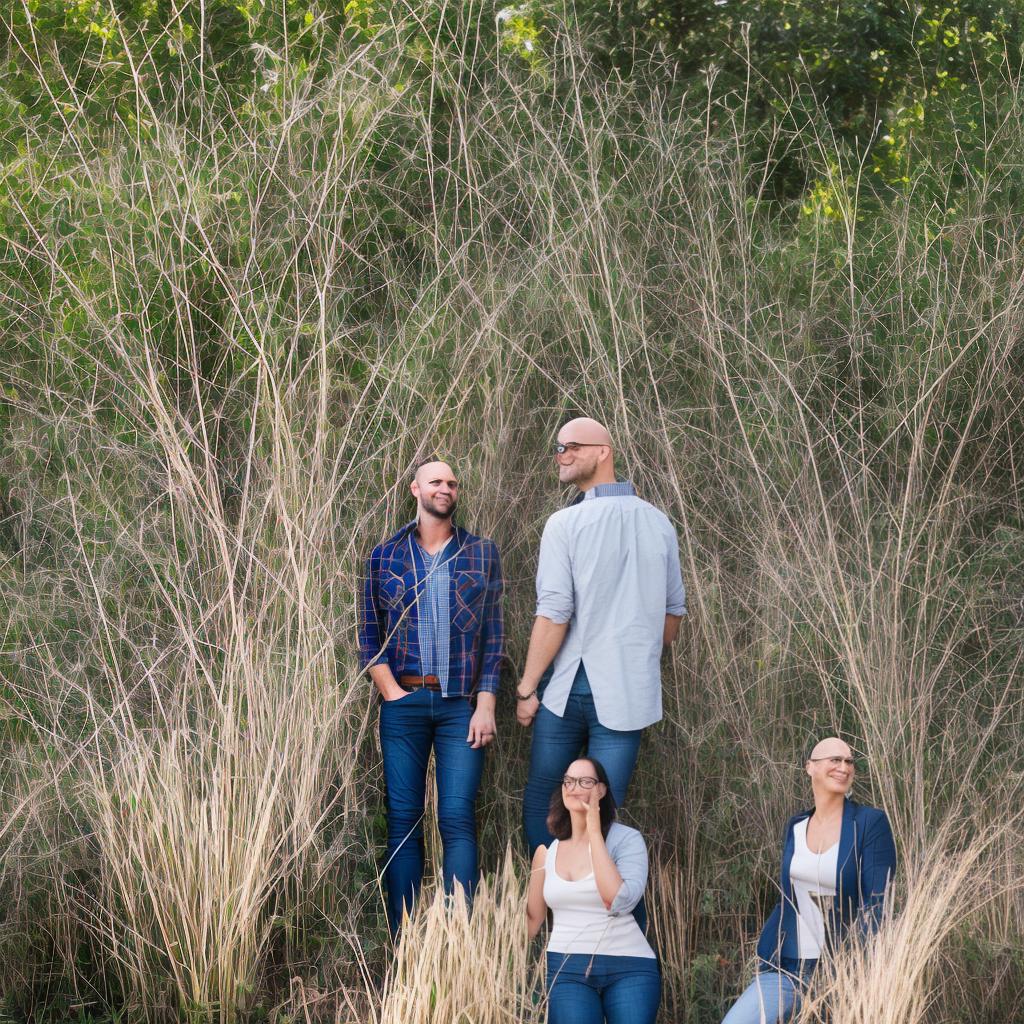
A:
[411, 527]
[619, 489]
[408, 533]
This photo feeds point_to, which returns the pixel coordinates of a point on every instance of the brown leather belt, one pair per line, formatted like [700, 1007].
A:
[430, 682]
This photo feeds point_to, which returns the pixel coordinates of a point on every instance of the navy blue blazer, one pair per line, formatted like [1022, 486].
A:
[866, 865]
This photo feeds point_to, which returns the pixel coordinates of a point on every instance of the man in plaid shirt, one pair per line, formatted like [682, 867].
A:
[432, 639]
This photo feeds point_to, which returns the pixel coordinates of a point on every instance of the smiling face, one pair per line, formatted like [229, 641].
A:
[830, 767]
[436, 490]
[589, 450]
[575, 795]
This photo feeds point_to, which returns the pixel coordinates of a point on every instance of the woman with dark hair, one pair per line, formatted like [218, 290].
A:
[599, 965]
[837, 862]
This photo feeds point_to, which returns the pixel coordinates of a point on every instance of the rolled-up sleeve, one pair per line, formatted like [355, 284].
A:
[555, 599]
[630, 855]
[675, 596]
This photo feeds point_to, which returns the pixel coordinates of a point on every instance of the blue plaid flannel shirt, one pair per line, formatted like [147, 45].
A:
[388, 611]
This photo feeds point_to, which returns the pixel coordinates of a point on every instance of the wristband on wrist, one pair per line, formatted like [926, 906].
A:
[526, 696]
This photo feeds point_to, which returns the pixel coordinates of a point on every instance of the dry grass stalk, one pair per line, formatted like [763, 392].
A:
[889, 977]
[456, 967]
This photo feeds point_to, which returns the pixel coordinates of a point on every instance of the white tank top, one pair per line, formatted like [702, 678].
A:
[581, 922]
[814, 884]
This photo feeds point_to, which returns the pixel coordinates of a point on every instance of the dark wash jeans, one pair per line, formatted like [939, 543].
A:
[409, 727]
[557, 742]
[585, 989]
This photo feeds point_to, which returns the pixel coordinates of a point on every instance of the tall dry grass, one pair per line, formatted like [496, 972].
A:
[222, 366]
[453, 965]
[890, 976]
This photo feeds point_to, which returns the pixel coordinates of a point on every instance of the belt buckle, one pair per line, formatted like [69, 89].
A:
[432, 682]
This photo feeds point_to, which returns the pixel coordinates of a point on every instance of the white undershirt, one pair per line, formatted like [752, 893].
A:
[582, 923]
[813, 876]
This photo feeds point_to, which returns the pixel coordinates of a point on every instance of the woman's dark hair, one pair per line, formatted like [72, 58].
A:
[559, 822]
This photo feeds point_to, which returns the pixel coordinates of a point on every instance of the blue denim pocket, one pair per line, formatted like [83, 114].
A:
[410, 693]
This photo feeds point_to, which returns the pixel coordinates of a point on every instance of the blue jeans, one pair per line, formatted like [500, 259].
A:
[585, 989]
[409, 727]
[774, 994]
[557, 742]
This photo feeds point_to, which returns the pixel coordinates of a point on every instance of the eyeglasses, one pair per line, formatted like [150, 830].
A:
[573, 446]
[584, 782]
[835, 762]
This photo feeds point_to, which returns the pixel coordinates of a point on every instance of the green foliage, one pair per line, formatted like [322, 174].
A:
[87, 58]
[866, 74]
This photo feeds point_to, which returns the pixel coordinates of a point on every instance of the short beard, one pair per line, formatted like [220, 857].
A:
[581, 475]
[436, 512]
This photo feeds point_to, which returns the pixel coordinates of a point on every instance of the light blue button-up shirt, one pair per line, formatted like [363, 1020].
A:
[609, 566]
[434, 626]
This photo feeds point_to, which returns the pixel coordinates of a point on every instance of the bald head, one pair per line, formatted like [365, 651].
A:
[831, 746]
[588, 458]
[584, 430]
[831, 769]
[431, 470]
[436, 491]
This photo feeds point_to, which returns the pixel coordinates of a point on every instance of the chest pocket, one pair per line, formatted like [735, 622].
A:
[394, 591]
[470, 586]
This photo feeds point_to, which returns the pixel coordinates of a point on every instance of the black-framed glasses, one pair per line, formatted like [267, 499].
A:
[835, 762]
[584, 782]
[572, 446]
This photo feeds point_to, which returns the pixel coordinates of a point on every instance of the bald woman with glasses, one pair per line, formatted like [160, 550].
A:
[838, 860]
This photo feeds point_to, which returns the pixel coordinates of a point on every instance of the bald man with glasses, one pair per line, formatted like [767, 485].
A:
[610, 597]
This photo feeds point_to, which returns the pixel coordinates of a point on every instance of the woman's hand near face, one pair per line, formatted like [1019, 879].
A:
[594, 813]
[606, 874]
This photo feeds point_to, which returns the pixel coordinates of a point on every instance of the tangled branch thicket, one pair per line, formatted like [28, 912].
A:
[230, 330]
